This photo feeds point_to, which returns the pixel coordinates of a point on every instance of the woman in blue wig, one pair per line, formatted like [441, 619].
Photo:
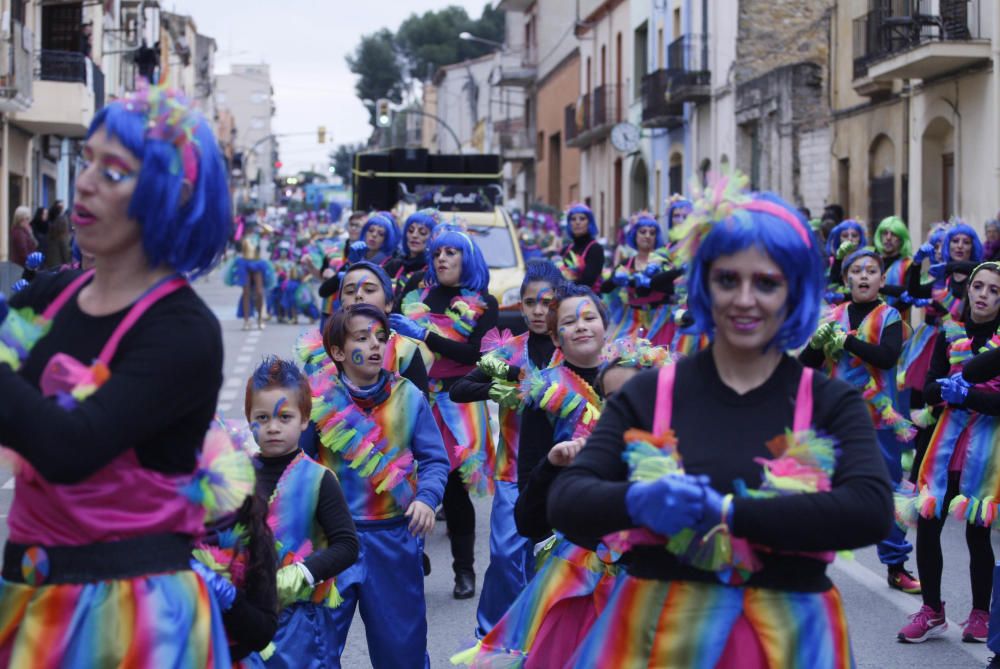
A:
[380, 237]
[581, 261]
[109, 379]
[642, 313]
[450, 310]
[254, 273]
[412, 247]
[845, 238]
[681, 453]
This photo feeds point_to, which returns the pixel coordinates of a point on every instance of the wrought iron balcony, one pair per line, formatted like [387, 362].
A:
[603, 108]
[656, 111]
[687, 58]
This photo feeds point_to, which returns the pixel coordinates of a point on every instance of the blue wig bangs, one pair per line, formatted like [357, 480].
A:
[586, 211]
[800, 263]
[187, 236]
[644, 222]
[540, 270]
[674, 206]
[962, 229]
[375, 269]
[385, 221]
[425, 217]
[833, 241]
[475, 271]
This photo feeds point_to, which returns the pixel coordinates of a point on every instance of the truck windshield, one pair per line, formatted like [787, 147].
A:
[496, 245]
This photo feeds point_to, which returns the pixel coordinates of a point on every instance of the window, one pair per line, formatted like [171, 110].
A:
[496, 245]
[640, 59]
[947, 185]
[258, 97]
[62, 27]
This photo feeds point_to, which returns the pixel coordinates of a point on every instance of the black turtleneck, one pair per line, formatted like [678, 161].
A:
[977, 400]
[883, 355]
[535, 474]
[475, 386]
[405, 266]
[593, 262]
[332, 515]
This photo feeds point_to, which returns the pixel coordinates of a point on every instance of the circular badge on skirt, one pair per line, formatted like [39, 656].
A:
[35, 565]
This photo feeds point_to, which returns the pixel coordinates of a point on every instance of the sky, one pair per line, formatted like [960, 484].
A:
[305, 42]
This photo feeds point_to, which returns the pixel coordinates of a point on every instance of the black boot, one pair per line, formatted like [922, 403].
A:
[463, 552]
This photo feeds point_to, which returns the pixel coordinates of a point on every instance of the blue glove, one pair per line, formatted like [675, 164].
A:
[954, 389]
[223, 590]
[356, 251]
[926, 250]
[653, 268]
[620, 278]
[833, 297]
[18, 286]
[938, 270]
[407, 327]
[34, 260]
[667, 505]
[711, 507]
[641, 281]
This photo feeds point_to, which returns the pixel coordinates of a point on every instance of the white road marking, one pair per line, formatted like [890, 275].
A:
[223, 408]
[233, 382]
[228, 395]
[243, 359]
[908, 604]
[9, 485]
[240, 369]
[248, 349]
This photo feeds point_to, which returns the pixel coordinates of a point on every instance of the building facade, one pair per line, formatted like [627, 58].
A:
[246, 92]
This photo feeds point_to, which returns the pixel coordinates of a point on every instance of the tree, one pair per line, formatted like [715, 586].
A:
[431, 41]
[342, 160]
[375, 62]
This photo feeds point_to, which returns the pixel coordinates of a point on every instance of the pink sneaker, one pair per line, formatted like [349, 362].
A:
[924, 624]
[976, 627]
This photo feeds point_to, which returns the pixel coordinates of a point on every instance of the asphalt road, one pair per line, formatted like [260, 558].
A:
[875, 613]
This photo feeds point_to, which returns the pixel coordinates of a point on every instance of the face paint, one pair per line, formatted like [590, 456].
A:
[357, 357]
[543, 293]
[277, 406]
[255, 430]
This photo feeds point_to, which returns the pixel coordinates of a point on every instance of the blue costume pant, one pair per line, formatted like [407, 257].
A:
[511, 561]
[387, 584]
[993, 637]
[895, 549]
[305, 638]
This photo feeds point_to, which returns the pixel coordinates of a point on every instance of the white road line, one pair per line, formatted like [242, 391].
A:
[908, 604]
[228, 395]
[240, 369]
[247, 349]
[223, 408]
[233, 382]
[9, 485]
[242, 359]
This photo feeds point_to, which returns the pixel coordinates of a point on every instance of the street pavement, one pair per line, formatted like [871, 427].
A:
[875, 613]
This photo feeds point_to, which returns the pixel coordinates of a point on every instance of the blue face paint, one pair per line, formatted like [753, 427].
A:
[255, 430]
[357, 357]
[277, 406]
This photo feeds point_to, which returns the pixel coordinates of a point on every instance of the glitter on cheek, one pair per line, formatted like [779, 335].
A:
[357, 357]
[277, 406]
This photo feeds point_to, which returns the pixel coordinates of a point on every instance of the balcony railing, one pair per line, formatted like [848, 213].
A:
[894, 27]
[609, 105]
[72, 67]
[601, 110]
[514, 139]
[577, 119]
[656, 111]
[687, 57]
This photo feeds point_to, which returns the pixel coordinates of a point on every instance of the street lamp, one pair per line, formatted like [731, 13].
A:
[469, 37]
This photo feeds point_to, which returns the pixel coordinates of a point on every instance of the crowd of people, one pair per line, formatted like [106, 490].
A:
[632, 523]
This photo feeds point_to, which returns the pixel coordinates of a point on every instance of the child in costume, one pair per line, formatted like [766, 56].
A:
[107, 396]
[959, 471]
[892, 241]
[681, 454]
[678, 208]
[314, 534]
[451, 314]
[375, 431]
[255, 274]
[412, 247]
[846, 238]
[581, 261]
[643, 312]
[506, 359]
[860, 342]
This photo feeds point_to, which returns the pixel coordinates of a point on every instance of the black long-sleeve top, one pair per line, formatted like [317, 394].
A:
[883, 355]
[661, 282]
[983, 367]
[475, 386]
[593, 262]
[976, 400]
[159, 400]
[719, 433]
[923, 290]
[332, 515]
[438, 300]
[535, 474]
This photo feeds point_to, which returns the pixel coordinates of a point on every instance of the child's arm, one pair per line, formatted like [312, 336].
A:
[427, 446]
[938, 369]
[473, 387]
[529, 512]
[884, 354]
[342, 539]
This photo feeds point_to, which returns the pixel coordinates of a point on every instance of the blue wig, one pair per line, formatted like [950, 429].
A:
[375, 269]
[586, 211]
[833, 241]
[644, 221]
[181, 198]
[425, 217]
[475, 271]
[679, 203]
[961, 228]
[384, 220]
[540, 270]
[793, 247]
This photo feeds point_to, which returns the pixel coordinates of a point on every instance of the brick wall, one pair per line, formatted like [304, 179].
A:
[772, 34]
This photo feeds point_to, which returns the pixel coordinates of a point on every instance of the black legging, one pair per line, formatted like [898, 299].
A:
[460, 518]
[930, 562]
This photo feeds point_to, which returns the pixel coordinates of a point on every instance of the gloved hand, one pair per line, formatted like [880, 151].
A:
[937, 270]
[833, 297]
[356, 251]
[504, 394]
[653, 269]
[711, 507]
[835, 344]
[641, 280]
[954, 389]
[845, 249]
[18, 286]
[407, 327]
[620, 278]
[667, 505]
[291, 582]
[34, 260]
[223, 590]
[821, 336]
[926, 250]
[493, 367]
